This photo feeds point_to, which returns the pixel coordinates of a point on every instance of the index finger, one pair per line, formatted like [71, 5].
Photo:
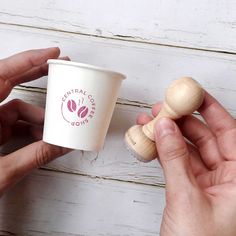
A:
[24, 61]
[217, 118]
[13, 66]
[19, 163]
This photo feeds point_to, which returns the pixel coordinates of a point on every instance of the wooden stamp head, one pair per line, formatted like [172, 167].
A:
[183, 97]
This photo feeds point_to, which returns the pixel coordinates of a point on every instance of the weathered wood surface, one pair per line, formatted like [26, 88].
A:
[149, 68]
[152, 42]
[113, 162]
[189, 23]
[56, 204]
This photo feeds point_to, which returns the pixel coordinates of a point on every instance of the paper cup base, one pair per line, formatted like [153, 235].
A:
[75, 147]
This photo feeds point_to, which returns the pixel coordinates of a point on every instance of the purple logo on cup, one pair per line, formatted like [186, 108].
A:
[78, 107]
[71, 105]
[82, 112]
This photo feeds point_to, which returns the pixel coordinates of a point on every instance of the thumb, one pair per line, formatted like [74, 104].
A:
[173, 154]
[19, 163]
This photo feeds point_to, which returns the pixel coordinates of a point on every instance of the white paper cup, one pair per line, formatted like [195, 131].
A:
[79, 105]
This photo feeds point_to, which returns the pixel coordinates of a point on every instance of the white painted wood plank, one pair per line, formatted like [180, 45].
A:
[188, 23]
[113, 162]
[149, 68]
[58, 204]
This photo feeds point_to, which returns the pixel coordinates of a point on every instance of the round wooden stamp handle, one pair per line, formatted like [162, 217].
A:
[183, 97]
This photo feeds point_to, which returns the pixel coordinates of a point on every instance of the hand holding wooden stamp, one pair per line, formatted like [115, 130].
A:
[183, 97]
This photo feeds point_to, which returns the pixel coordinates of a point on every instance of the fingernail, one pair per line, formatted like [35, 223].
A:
[66, 58]
[164, 127]
[54, 48]
[50, 48]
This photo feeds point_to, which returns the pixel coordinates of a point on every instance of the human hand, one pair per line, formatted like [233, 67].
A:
[17, 115]
[200, 173]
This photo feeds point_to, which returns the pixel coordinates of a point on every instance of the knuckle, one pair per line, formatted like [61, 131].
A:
[46, 153]
[205, 139]
[15, 102]
[15, 105]
[43, 70]
[226, 172]
[32, 60]
[177, 152]
[43, 155]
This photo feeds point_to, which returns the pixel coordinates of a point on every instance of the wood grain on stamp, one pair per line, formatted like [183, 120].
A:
[183, 97]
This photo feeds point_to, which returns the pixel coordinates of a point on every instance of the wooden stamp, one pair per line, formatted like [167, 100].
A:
[183, 97]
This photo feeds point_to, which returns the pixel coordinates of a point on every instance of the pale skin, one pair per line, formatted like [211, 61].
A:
[200, 177]
[200, 174]
[19, 116]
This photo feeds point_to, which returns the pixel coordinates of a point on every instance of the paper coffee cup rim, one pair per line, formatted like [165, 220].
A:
[84, 65]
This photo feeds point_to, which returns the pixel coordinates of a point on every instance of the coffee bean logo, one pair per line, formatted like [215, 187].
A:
[78, 107]
[82, 112]
[71, 105]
